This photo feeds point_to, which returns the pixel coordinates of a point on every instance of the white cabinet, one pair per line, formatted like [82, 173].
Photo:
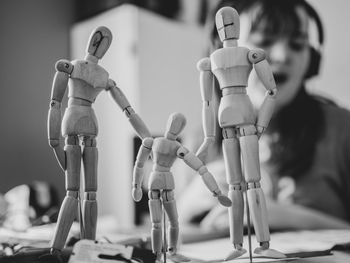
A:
[153, 60]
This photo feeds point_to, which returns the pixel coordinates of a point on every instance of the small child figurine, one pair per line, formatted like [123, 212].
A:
[85, 80]
[161, 183]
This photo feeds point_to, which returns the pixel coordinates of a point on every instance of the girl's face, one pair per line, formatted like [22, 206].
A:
[287, 54]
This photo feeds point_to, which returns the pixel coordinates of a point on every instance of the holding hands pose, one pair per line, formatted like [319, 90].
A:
[85, 80]
[161, 183]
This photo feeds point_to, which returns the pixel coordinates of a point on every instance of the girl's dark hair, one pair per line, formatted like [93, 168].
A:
[296, 129]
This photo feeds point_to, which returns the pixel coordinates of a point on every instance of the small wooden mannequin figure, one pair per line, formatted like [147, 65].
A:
[231, 65]
[161, 183]
[85, 79]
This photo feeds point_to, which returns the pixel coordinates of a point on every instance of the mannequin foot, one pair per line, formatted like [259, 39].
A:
[265, 251]
[177, 258]
[237, 252]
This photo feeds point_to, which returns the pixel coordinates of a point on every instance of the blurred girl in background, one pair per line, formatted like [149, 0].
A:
[305, 151]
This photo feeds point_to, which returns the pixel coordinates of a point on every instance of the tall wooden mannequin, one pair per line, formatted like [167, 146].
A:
[161, 183]
[85, 80]
[231, 65]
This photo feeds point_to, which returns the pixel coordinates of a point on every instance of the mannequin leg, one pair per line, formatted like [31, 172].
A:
[256, 198]
[155, 208]
[232, 157]
[69, 205]
[169, 204]
[90, 159]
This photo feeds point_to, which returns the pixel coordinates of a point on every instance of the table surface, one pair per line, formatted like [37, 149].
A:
[336, 257]
[209, 247]
[310, 246]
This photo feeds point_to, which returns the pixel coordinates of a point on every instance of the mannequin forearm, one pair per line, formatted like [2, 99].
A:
[266, 110]
[141, 158]
[135, 120]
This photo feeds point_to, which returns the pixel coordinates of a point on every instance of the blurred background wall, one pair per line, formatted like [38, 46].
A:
[333, 80]
[35, 34]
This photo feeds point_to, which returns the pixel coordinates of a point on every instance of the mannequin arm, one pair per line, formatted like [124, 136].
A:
[142, 156]
[64, 68]
[119, 97]
[206, 79]
[196, 164]
[262, 68]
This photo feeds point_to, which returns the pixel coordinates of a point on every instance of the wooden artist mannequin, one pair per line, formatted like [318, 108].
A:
[161, 183]
[85, 80]
[231, 65]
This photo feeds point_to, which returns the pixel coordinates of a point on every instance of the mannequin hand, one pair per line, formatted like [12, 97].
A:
[136, 193]
[223, 199]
